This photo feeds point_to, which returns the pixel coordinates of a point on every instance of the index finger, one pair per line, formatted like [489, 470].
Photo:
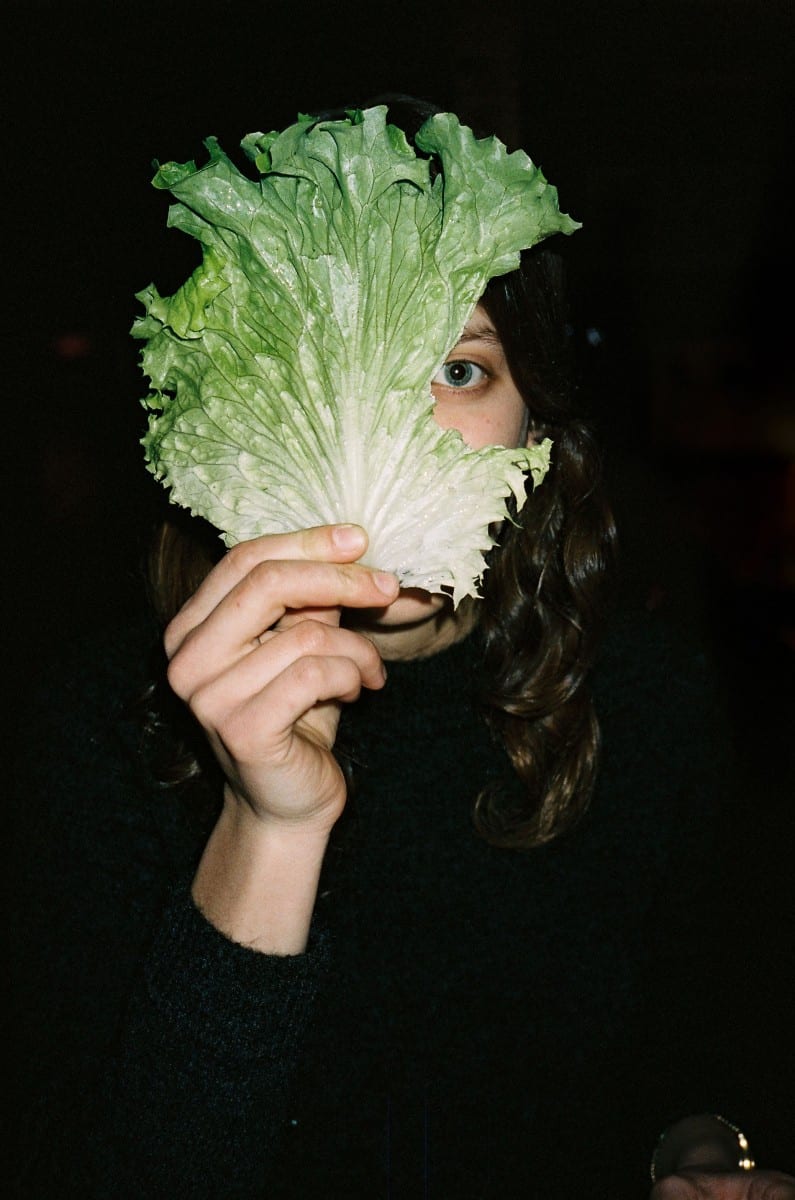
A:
[322, 543]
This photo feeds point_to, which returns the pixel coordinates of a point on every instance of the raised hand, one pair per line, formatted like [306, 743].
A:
[259, 657]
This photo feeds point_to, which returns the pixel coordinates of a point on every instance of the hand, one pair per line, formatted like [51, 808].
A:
[699, 1157]
[260, 659]
[692, 1184]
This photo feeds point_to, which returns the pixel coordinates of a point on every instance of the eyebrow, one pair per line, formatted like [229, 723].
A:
[485, 334]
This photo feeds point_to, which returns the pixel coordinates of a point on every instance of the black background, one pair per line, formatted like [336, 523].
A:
[667, 130]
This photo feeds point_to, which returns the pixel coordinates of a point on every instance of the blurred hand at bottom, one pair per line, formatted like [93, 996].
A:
[707, 1184]
[701, 1157]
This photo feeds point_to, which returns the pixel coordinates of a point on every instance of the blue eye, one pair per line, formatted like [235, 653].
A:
[460, 373]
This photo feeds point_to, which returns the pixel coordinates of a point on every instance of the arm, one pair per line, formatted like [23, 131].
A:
[160, 1042]
[258, 883]
[259, 657]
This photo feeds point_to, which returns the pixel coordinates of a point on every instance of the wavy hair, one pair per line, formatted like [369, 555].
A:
[546, 590]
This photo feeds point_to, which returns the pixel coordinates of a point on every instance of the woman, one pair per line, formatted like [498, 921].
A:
[302, 972]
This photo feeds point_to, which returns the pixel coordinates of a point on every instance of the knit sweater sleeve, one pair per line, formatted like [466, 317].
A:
[154, 1056]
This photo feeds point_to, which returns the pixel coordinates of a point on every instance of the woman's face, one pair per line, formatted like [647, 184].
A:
[476, 395]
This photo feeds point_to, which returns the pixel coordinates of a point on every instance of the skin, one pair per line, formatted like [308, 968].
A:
[692, 1184]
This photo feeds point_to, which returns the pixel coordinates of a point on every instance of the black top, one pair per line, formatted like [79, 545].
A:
[466, 1022]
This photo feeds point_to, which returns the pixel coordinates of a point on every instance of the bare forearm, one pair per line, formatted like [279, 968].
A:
[257, 882]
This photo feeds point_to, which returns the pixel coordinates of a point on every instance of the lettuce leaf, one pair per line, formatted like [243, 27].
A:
[290, 374]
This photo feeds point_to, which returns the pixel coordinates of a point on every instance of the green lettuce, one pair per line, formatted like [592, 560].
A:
[290, 375]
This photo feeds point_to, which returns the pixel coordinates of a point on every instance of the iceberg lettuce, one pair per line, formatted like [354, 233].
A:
[290, 374]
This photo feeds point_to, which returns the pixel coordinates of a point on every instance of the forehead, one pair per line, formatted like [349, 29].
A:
[480, 327]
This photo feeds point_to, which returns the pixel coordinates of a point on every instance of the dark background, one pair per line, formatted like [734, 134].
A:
[667, 130]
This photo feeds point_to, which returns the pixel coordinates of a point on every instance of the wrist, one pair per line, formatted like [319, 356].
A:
[257, 879]
[242, 819]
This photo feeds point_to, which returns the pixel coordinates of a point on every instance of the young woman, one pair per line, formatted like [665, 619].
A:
[372, 936]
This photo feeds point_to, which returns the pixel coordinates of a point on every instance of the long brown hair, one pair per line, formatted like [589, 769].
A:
[546, 590]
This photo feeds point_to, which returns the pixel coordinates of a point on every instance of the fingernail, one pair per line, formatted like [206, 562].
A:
[385, 582]
[347, 537]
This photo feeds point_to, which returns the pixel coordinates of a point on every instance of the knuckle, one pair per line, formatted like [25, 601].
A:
[359, 581]
[177, 676]
[244, 556]
[312, 540]
[355, 579]
[200, 704]
[267, 574]
[364, 653]
[317, 542]
[308, 672]
[311, 637]
[349, 680]
[181, 670]
[373, 657]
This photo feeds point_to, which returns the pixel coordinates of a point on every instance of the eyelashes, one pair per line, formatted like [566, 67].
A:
[460, 374]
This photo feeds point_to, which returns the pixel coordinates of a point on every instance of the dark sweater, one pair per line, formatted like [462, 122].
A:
[466, 1022]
